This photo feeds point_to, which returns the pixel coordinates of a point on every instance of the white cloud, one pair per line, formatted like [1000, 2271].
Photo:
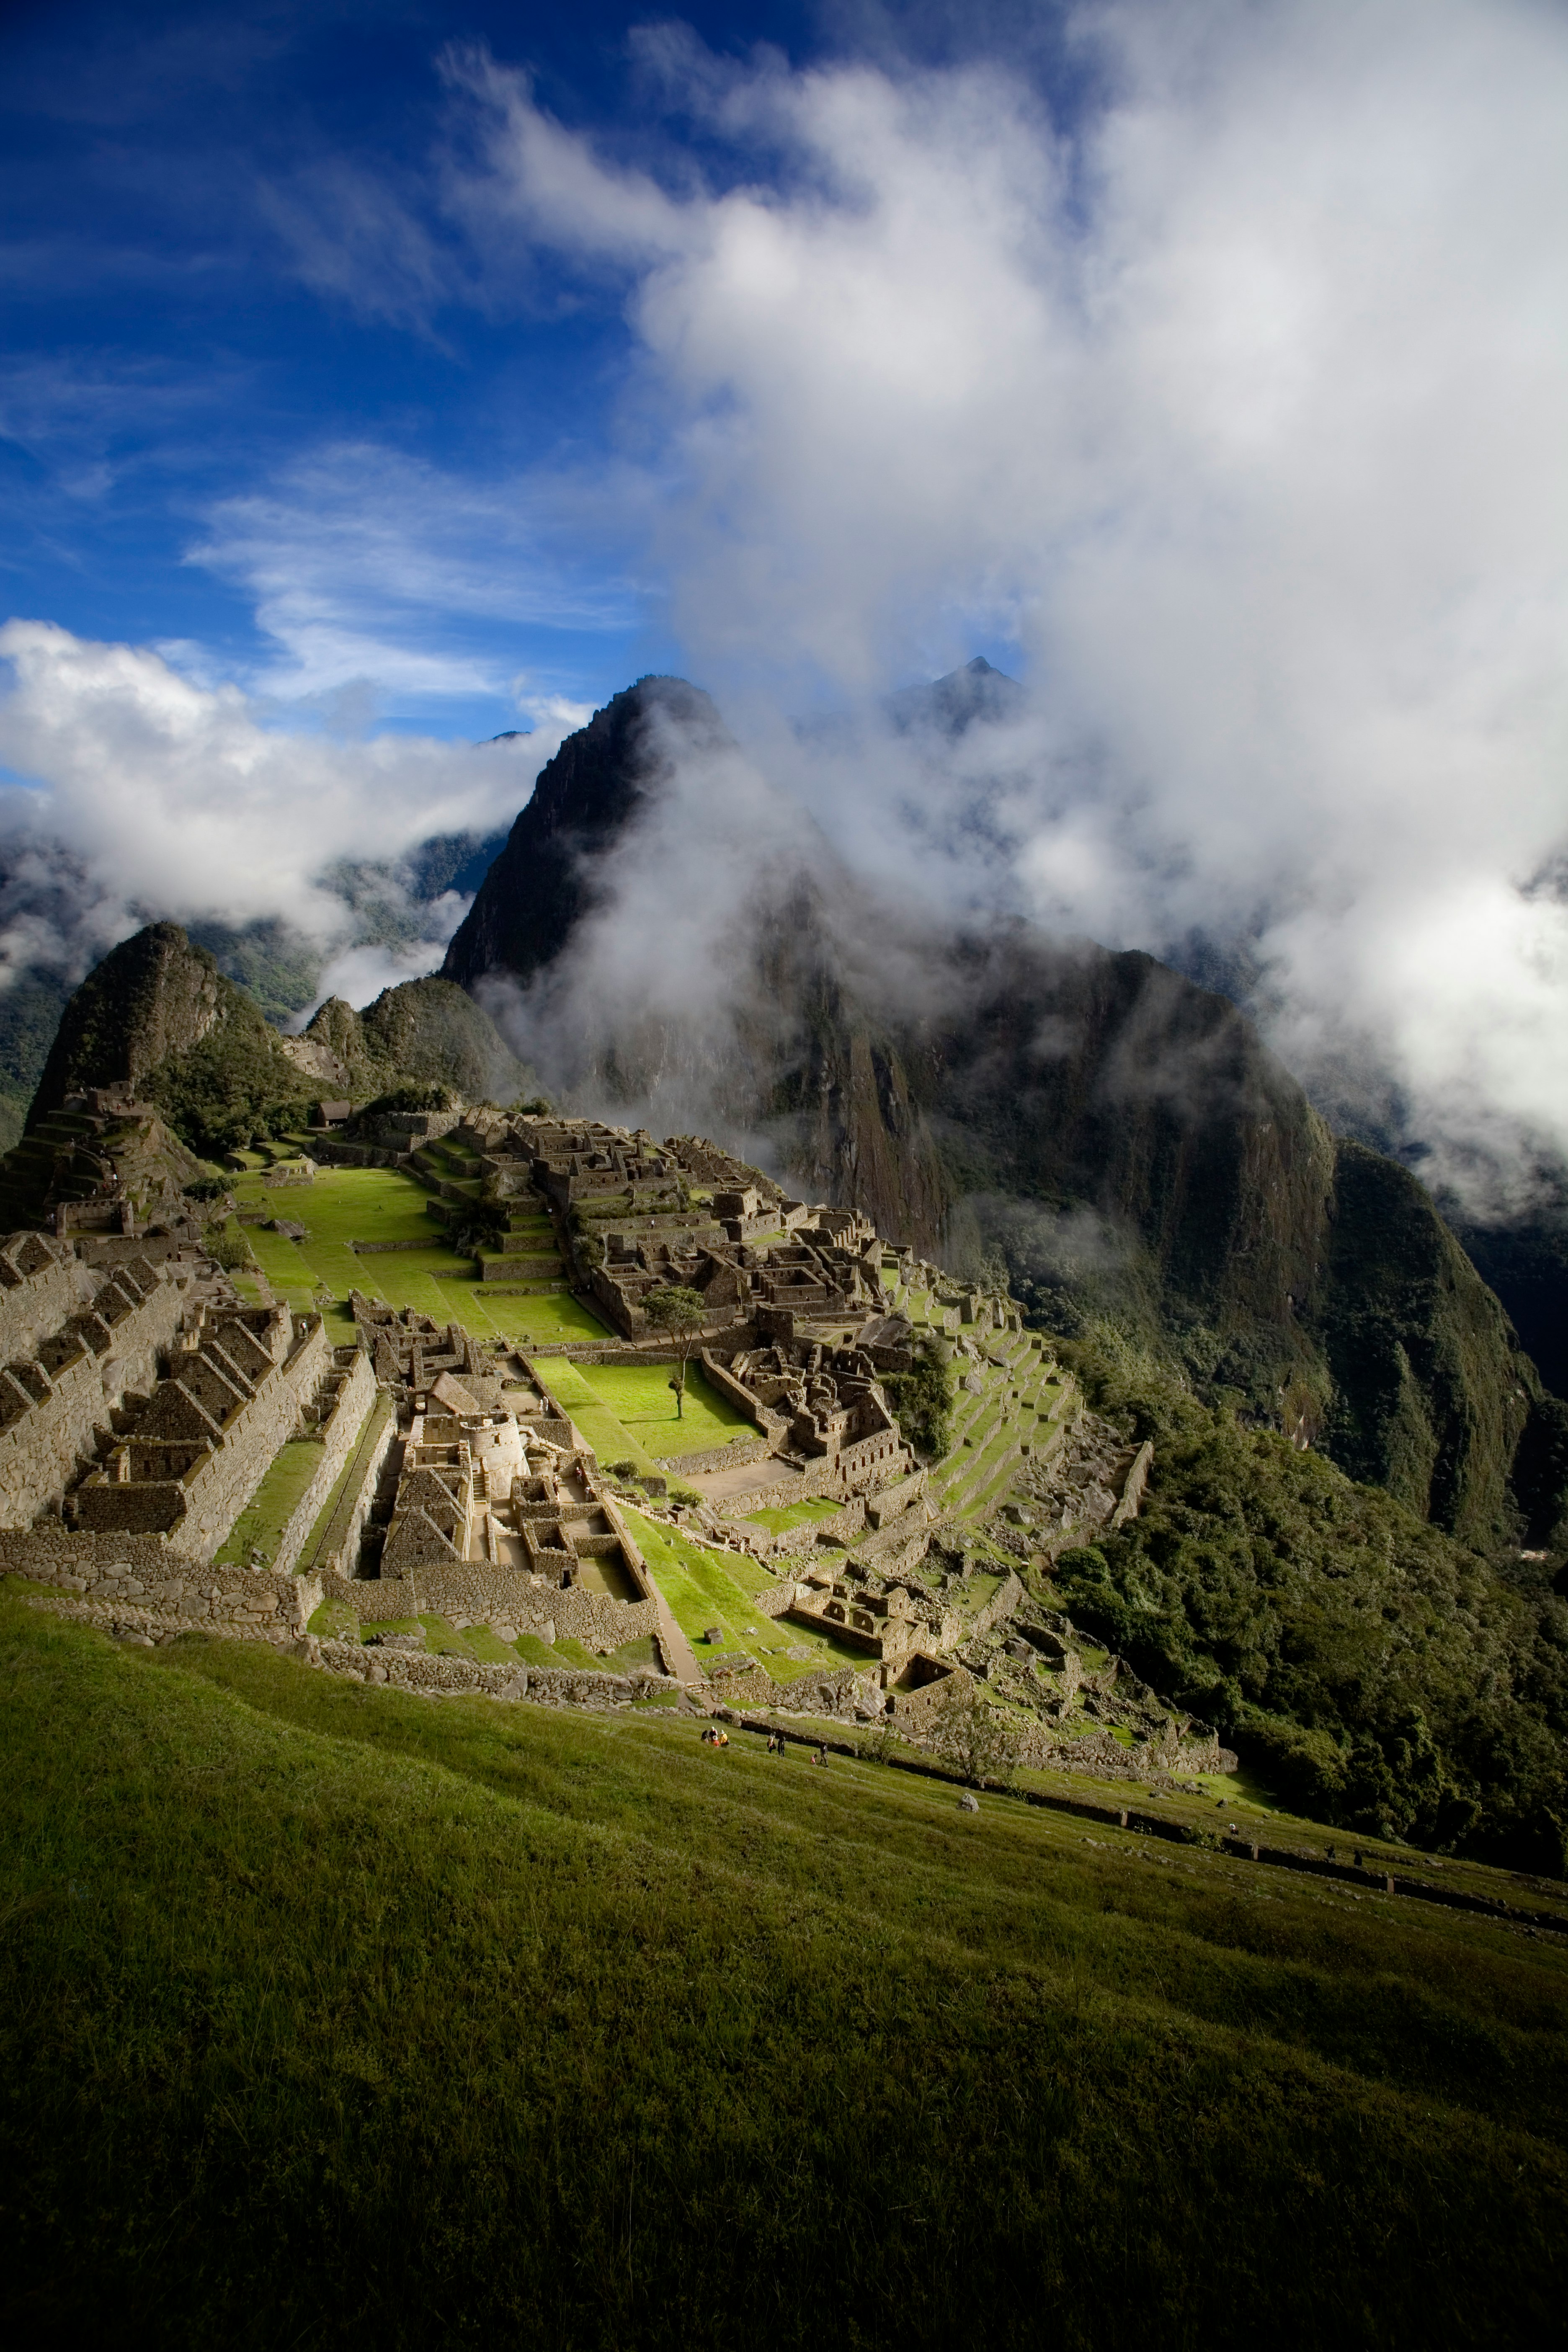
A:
[1240, 409]
[155, 795]
[369, 567]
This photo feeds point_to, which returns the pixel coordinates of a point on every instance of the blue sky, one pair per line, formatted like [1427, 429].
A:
[378, 378]
[243, 418]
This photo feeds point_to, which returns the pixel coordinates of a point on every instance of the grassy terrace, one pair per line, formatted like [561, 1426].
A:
[261, 1523]
[344, 1204]
[796, 1515]
[640, 1398]
[705, 1588]
[332, 2017]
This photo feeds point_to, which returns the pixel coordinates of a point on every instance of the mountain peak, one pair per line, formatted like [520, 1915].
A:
[952, 704]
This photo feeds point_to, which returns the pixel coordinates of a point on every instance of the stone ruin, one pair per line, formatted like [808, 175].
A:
[187, 1461]
[79, 1341]
[499, 1515]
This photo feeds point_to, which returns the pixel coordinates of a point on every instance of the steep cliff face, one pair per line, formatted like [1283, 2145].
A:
[1074, 1076]
[1433, 1397]
[542, 883]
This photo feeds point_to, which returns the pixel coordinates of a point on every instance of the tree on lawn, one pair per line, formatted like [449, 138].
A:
[679, 1311]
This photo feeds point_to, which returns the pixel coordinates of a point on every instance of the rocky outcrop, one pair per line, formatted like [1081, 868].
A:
[151, 997]
[425, 1032]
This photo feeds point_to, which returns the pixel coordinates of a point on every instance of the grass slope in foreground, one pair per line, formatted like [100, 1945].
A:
[334, 2017]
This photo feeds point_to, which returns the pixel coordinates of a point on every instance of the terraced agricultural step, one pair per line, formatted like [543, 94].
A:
[964, 1492]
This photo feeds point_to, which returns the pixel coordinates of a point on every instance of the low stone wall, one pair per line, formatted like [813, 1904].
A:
[107, 1575]
[882, 1511]
[733, 1456]
[833, 1474]
[339, 1435]
[435, 1677]
[500, 1596]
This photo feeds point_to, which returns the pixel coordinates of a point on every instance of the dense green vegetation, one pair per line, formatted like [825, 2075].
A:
[1377, 1671]
[236, 1082]
[332, 2017]
[923, 1400]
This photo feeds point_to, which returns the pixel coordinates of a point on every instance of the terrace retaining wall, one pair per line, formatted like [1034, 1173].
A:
[339, 1435]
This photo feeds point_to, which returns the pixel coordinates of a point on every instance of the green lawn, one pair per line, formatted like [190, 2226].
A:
[705, 1588]
[639, 1396]
[333, 2017]
[344, 1204]
[261, 1523]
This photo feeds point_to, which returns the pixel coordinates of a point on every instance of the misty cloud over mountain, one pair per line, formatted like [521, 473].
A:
[1210, 374]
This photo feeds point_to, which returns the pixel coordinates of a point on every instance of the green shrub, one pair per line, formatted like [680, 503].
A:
[922, 1402]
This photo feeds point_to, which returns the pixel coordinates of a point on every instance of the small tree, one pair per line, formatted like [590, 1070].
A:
[679, 1310]
[975, 1736]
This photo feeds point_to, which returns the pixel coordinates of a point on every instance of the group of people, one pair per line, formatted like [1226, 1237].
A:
[715, 1736]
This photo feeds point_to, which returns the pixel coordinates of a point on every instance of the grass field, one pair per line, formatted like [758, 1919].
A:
[703, 1588]
[796, 1515]
[346, 1204]
[332, 2017]
[640, 1398]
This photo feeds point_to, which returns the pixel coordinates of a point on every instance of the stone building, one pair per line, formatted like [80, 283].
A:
[195, 1453]
[78, 1340]
[500, 1516]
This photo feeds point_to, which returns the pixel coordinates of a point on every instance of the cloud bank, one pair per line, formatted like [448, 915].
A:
[1236, 404]
[145, 795]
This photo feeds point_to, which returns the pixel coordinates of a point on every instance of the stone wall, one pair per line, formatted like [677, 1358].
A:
[774, 1425]
[495, 1596]
[733, 1456]
[339, 1435]
[134, 1578]
[42, 1283]
[337, 1552]
[880, 1511]
[853, 1471]
[198, 1507]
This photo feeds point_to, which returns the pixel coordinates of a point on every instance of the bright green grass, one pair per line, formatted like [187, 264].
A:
[282, 1489]
[610, 1440]
[797, 1515]
[639, 1396]
[333, 2017]
[344, 1204]
[700, 1593]
[703, 1588]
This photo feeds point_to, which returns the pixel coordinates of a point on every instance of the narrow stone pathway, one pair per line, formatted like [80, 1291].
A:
[679, 1654]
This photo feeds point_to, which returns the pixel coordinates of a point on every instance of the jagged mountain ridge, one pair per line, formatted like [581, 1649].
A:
[158, 1016]
[1008, 1090]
